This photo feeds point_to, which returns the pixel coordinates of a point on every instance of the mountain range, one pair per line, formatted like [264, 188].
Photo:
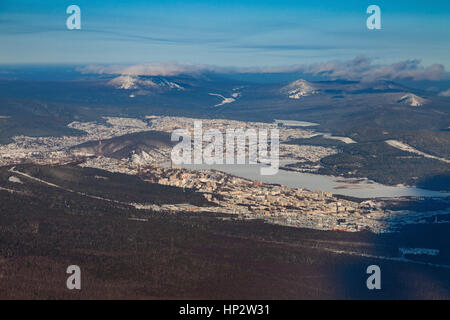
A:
[368, 112]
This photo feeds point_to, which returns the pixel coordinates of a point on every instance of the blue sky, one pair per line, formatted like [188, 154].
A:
[223, 33]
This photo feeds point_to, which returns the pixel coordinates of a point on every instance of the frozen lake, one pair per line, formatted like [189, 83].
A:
[350, 187]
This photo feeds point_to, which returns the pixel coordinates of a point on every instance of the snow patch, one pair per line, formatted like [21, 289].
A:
[224, 100]
[142, 158]
[295, 123]
[419, 251]
[445, 93]
[15, 180]
[346, 140]
[404, 147]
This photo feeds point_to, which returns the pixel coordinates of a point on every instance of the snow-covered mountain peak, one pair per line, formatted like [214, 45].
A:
[128, 82]
[299, 88]
[412, 100]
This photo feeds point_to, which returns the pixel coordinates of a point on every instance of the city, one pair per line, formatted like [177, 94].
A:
[239, 197]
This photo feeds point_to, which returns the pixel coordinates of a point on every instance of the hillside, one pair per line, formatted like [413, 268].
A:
[140, 254]
[125, 146]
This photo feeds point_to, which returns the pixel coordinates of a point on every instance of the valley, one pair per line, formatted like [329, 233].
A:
[86, 178]
[142, 147]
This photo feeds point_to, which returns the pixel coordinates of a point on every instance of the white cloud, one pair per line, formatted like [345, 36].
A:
[359, 68]
[157, 69]
[362, 68]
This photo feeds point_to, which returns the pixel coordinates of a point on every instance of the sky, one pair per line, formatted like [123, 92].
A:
[223, 33]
